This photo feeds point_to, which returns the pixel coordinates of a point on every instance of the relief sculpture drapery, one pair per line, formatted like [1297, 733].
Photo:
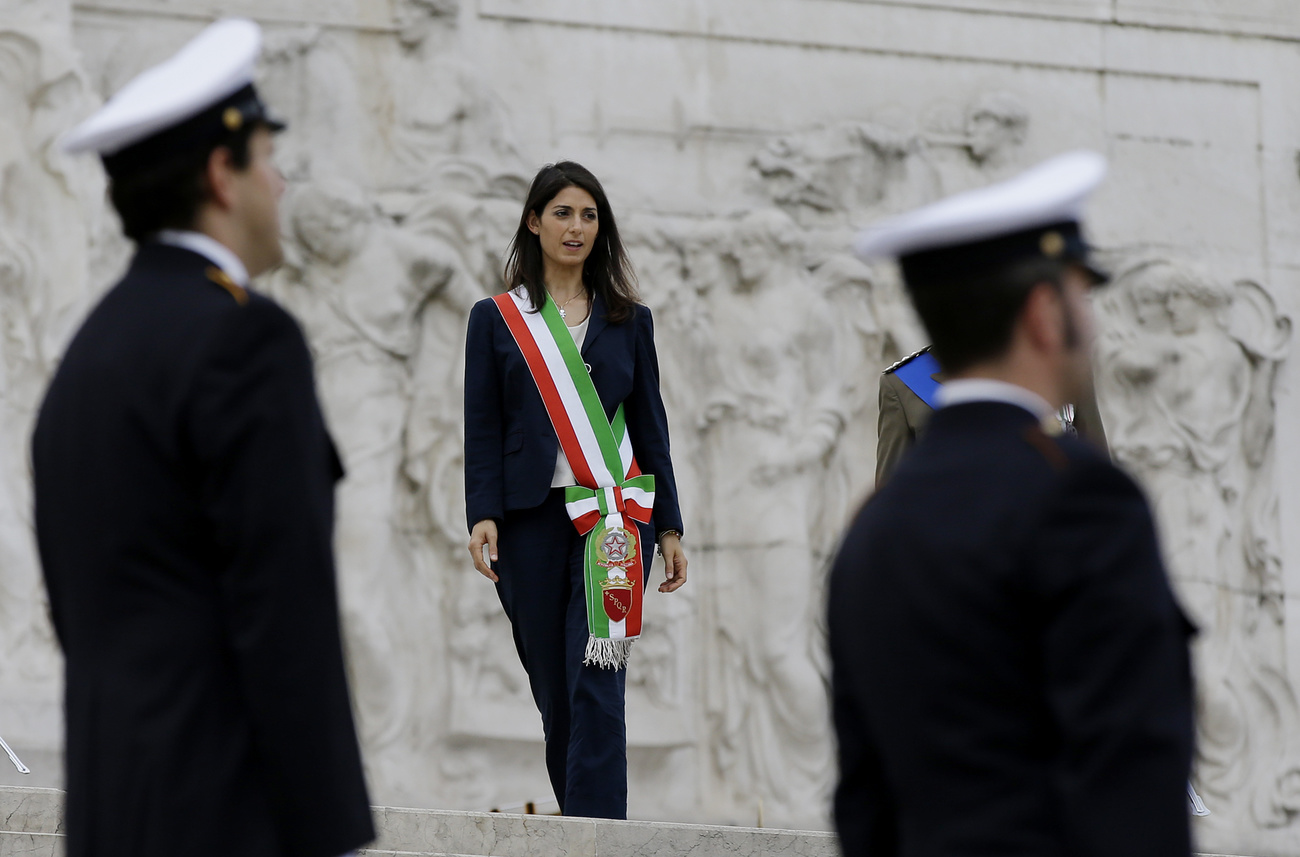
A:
[408, 155]
[770, 344]
[1186, 373]
[362, 286]
[52, 229]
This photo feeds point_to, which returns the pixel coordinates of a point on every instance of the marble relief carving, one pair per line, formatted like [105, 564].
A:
[851, 172]
[406, 173]
[750, 336]
[52, 229]
[1187, 366]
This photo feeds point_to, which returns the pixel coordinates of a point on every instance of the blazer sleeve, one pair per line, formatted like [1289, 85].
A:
[1117, 669]
[266, 474]
[648, 422]
[484, 420]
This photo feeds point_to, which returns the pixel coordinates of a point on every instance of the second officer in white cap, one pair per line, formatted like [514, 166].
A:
[184, 484]
[1010, 668]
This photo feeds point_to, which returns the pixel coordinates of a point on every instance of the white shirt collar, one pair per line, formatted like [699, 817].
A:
[209, 248]
[964, 390]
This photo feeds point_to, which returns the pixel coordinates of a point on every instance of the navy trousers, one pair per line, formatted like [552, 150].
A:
[541, 589]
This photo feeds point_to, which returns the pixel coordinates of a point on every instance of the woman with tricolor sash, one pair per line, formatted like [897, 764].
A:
[568, 479]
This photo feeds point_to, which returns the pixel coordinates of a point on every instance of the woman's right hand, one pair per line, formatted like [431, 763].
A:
[484, 533]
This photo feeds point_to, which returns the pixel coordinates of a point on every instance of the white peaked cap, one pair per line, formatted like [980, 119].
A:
[216, 63]
[1052, 192]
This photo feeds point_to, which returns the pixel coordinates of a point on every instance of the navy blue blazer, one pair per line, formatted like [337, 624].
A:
[1010, 671]
[510, 444]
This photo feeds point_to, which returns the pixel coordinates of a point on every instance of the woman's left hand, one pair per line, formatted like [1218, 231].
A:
[674, 563]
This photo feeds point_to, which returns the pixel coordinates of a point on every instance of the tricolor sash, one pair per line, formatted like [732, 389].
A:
[610, 489]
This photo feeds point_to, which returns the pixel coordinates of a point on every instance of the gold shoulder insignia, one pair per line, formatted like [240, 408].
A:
[221, 278]
[908, 359]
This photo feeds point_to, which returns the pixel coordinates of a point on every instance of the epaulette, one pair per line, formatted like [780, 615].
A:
[908, 359]
[221, 278]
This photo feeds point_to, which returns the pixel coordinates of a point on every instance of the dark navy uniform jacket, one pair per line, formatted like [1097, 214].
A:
[1010, 667]
[510, 444]
[184, 511]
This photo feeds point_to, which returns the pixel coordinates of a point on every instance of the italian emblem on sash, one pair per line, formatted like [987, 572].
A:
[614, 547]
[617, 550]
[612, 494]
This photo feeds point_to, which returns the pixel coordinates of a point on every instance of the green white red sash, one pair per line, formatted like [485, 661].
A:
[610, 489]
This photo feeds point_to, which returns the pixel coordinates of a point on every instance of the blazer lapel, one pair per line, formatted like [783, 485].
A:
[597, 323]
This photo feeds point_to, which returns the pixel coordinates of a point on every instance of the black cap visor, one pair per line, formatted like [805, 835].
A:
[1060, 242]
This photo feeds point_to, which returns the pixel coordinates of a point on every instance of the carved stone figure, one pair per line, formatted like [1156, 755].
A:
[965, 148]
[995, 123]
[361, 285]
[51, 212]
[780, 408]
[849, 287]
[443, 106]
[830, 172]
[1188, 365]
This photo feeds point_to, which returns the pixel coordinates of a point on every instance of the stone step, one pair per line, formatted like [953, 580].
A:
[31, 825]
[31, 844]
[479, 833]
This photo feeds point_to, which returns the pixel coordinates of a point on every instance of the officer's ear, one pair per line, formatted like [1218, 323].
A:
[219, 176]
[1043, 317]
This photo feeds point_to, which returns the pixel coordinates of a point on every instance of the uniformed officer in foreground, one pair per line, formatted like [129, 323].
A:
[1010, 668]
[184, 502]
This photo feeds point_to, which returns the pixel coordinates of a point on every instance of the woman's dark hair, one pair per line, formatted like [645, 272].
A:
[607, 271]
[168, 195]
[970, 319]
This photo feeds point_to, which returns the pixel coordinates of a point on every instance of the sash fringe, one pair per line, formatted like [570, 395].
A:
[607, 654]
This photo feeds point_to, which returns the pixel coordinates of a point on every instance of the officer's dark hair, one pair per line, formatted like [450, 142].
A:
[169, 195]
[607, 271]
[970, 319]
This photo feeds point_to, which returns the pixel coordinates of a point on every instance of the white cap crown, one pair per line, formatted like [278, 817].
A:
[1052, 192]
[214, 65]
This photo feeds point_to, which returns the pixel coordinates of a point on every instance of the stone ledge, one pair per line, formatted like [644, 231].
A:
[28, 810]
[31, 844]
[31, 825]
[480, 833]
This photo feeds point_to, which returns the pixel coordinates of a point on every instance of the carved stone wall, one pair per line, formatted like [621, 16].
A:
[742, 143]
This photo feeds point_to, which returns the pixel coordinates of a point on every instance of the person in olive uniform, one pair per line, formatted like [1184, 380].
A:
[184, 491]
[904, 413]
[1010, 669]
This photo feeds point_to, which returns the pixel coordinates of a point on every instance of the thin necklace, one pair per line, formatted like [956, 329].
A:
[564, 313]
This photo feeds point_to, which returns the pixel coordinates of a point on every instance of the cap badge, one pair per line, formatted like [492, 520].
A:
[232, 119]
[1052, 244]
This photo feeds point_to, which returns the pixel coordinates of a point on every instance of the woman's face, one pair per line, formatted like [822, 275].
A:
[567, 228]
